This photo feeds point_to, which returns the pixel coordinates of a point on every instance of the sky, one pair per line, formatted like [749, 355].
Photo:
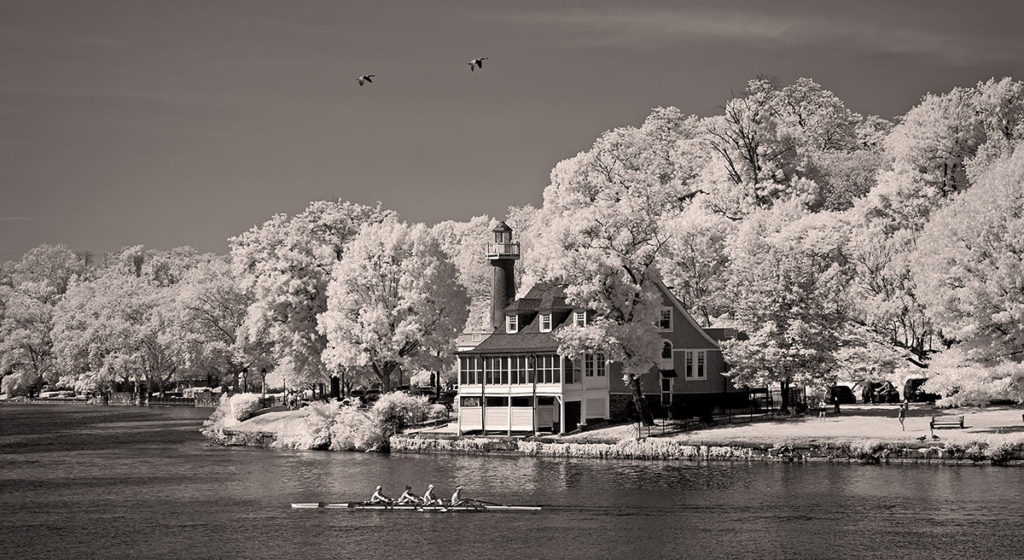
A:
[187, 122]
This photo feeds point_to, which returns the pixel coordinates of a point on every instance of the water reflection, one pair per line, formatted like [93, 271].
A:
[115, 481]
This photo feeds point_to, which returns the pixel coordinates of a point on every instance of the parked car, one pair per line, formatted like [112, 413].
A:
[879, 392]
[912, 391]
[841, 394]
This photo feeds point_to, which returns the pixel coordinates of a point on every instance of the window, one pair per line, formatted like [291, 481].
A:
[695, 364]
[574, 367]
[588, 365]
[517, 367]
[496, 401]
[522, 401]
[496, 370]
[545, 322]
[547, 368]
[665, 321]
[666, 392]
[600, 365]
[579, 318]
[666, 351]
[512, 324]
[470, 402]
[471, 370]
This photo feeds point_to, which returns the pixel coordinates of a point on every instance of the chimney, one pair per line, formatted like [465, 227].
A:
[502, 253]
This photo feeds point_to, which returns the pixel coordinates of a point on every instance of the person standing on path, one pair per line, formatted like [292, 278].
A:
[902, 415]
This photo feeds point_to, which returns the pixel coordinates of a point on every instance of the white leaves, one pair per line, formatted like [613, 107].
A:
[394, 300]
[286, 264]
[969, 264]
[787, 289]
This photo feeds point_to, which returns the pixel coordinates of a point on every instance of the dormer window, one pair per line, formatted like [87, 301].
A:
[665, 320]
[579, 318]
[512, 324]
[545, 322]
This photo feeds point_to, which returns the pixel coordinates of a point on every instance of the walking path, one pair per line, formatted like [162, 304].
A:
[855, 423]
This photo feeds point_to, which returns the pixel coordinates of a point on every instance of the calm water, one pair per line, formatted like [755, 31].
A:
[94, 482]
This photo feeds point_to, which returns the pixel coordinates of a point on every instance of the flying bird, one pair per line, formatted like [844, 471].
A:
[477, 63]
[366, 79]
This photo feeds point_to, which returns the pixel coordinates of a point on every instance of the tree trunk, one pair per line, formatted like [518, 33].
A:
[335, 387]
[784, 406]
[642, 410]
[384, 376]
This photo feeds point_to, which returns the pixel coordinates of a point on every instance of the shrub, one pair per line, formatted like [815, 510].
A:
[437, 412]
[351, 430]
[230, 411]
[313, 431]
[392, 413]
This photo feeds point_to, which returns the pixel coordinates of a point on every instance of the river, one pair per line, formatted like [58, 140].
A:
[107, 482]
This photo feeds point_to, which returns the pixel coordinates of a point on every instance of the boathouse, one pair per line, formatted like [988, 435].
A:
[514, 380]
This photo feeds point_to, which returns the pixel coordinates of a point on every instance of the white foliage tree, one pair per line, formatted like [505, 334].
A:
[787, 290]
[286, 264]
[969, 264]
[601, 231]
[394, 301]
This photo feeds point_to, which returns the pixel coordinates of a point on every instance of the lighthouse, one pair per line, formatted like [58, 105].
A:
[502, 254]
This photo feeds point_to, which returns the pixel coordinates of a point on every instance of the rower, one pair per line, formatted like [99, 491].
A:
[379, 497]
[429, 498]
[457, 496]
[408, 497]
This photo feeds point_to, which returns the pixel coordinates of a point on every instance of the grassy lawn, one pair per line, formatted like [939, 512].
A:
[856, 422]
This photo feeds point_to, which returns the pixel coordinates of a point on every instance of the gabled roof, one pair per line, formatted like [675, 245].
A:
[541, 297]
[549, 297]
[678, 305]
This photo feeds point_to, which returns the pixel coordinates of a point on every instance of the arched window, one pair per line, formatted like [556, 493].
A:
[666, 351]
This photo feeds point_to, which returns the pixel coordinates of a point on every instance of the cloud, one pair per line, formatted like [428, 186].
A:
[868, 32]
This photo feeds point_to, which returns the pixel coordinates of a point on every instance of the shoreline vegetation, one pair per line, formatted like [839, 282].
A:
[868, 434]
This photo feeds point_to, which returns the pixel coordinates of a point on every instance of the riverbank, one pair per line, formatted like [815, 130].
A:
[863, 434]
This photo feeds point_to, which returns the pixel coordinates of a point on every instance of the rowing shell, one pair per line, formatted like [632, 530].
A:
[410, 507]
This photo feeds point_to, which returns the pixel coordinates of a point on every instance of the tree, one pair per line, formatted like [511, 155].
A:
[394, 301]
[208, 315]
[883, 293]
[787, 290]
[600, 233]
[286, 265]
[35, 284]
[26, 359]
[772, 144]
[695, 260]
[463, 243]
[969, 263]
[121, 325]
[961, 380]
[935, 146]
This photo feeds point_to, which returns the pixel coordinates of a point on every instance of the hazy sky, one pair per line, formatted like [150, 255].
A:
[186, 122]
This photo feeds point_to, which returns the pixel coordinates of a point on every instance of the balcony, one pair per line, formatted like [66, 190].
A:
[503, 250]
